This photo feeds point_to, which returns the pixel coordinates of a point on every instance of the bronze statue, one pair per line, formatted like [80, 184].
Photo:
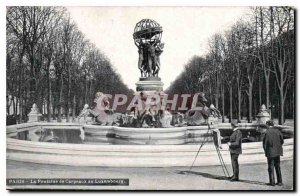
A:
[147, 35]
[158, 50]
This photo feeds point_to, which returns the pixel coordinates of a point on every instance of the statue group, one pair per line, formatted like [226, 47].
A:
[149, 61]
[147, 35]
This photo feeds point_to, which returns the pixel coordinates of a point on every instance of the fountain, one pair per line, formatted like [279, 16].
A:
[151, 134]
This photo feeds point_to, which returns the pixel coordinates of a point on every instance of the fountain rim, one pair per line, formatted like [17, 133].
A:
[146, 155]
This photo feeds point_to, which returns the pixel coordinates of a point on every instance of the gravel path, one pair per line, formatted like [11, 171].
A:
[252, 177]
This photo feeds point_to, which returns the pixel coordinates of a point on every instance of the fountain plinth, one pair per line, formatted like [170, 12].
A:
[149, 84]
[263, 116]
[34, 115]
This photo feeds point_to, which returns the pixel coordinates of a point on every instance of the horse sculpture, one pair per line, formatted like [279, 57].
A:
[195, 117]
[102, 113]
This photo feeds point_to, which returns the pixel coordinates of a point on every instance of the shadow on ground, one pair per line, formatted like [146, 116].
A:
[218, 177]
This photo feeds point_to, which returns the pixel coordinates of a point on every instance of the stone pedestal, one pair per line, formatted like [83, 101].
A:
[34, 115]
[149, 84]
[147, 88]
[263, 116]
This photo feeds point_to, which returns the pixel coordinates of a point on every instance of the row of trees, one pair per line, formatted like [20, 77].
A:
[251, 64]
[49, 62]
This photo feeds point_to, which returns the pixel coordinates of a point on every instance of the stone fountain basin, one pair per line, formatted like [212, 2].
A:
[117, 155]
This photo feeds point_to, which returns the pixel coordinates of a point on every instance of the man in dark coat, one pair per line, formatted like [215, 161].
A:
[272, 144]
[235, 148]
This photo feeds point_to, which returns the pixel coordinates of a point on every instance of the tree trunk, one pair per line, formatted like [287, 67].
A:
[20, 88]
[217, 92]
[48, 94]
[267, 92]
[8, 104]
[282, 100]
[223, 103]
[14, 106]
[250, 103]
[254, 107]
[44, 110]
[21, 109]
[74, 108]
[230, 103]
[36, 99]
[39, 96]
[53, 107]
[239, 104]
[210, 87]
[17, 108]
[60, 99]
[86, 90]
[259, 90]
[293, 105]
[69, 94]
[25, 104]
[90, 91]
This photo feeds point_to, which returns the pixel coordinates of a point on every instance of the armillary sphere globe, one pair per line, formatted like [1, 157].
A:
[147, 30]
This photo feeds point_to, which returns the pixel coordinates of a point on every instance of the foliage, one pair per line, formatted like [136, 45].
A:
[251, 64]
[51, 63]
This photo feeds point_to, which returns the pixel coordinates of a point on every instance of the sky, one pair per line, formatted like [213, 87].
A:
[186, 31]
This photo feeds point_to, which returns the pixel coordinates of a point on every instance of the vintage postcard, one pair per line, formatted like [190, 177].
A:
[150, 98]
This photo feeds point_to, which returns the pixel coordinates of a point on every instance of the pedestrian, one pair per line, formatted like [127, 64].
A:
[235, 148]
[262, 129]
[272, 144]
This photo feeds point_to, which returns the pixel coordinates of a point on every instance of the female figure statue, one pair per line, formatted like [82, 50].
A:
[158, 50]
[141, 62]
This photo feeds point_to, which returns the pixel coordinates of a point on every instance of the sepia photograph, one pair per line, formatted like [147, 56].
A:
[150, 98]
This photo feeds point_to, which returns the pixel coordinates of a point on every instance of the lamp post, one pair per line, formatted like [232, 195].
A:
[271, 108]
[51, 77]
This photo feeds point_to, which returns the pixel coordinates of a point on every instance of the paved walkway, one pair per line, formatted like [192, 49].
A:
[252, 177]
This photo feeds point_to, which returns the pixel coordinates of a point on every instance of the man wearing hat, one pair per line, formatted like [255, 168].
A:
[235, 148]
[272, 144]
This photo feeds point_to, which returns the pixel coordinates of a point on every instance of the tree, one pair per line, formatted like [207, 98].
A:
[282, 51]
[261, 45]
[42, 41]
